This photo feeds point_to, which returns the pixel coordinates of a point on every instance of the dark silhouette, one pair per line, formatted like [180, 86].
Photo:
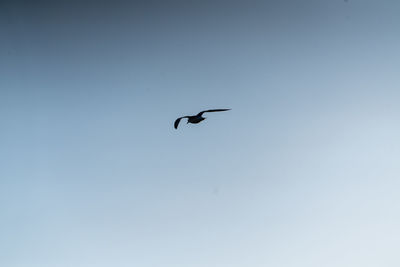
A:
[197, 118]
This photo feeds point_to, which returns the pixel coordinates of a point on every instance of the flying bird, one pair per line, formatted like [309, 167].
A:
[197, 118]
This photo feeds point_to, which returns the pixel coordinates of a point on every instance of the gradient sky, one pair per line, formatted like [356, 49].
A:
[303, 171]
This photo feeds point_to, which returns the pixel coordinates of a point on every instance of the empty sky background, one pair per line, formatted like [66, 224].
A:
[303, 171]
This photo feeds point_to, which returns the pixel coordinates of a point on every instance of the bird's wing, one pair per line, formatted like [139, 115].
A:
[177, 123]
[213, 110]
[178, 120]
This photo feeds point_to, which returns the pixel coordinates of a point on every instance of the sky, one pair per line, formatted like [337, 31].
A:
[303, 171]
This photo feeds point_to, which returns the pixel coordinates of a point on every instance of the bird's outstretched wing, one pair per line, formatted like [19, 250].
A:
[177, 121]
[213, 110]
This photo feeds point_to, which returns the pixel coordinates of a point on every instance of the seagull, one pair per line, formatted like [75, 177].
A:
[197, 118]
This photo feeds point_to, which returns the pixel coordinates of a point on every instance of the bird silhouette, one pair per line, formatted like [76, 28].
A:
[197, 118]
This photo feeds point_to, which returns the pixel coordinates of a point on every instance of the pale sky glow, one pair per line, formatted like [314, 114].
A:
[302, 172]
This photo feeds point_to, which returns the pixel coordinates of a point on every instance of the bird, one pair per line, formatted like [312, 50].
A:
[197, 118]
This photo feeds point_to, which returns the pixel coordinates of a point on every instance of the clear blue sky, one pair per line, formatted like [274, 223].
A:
[302, 172]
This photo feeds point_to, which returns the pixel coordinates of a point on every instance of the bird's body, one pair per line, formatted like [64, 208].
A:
[196, 118]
